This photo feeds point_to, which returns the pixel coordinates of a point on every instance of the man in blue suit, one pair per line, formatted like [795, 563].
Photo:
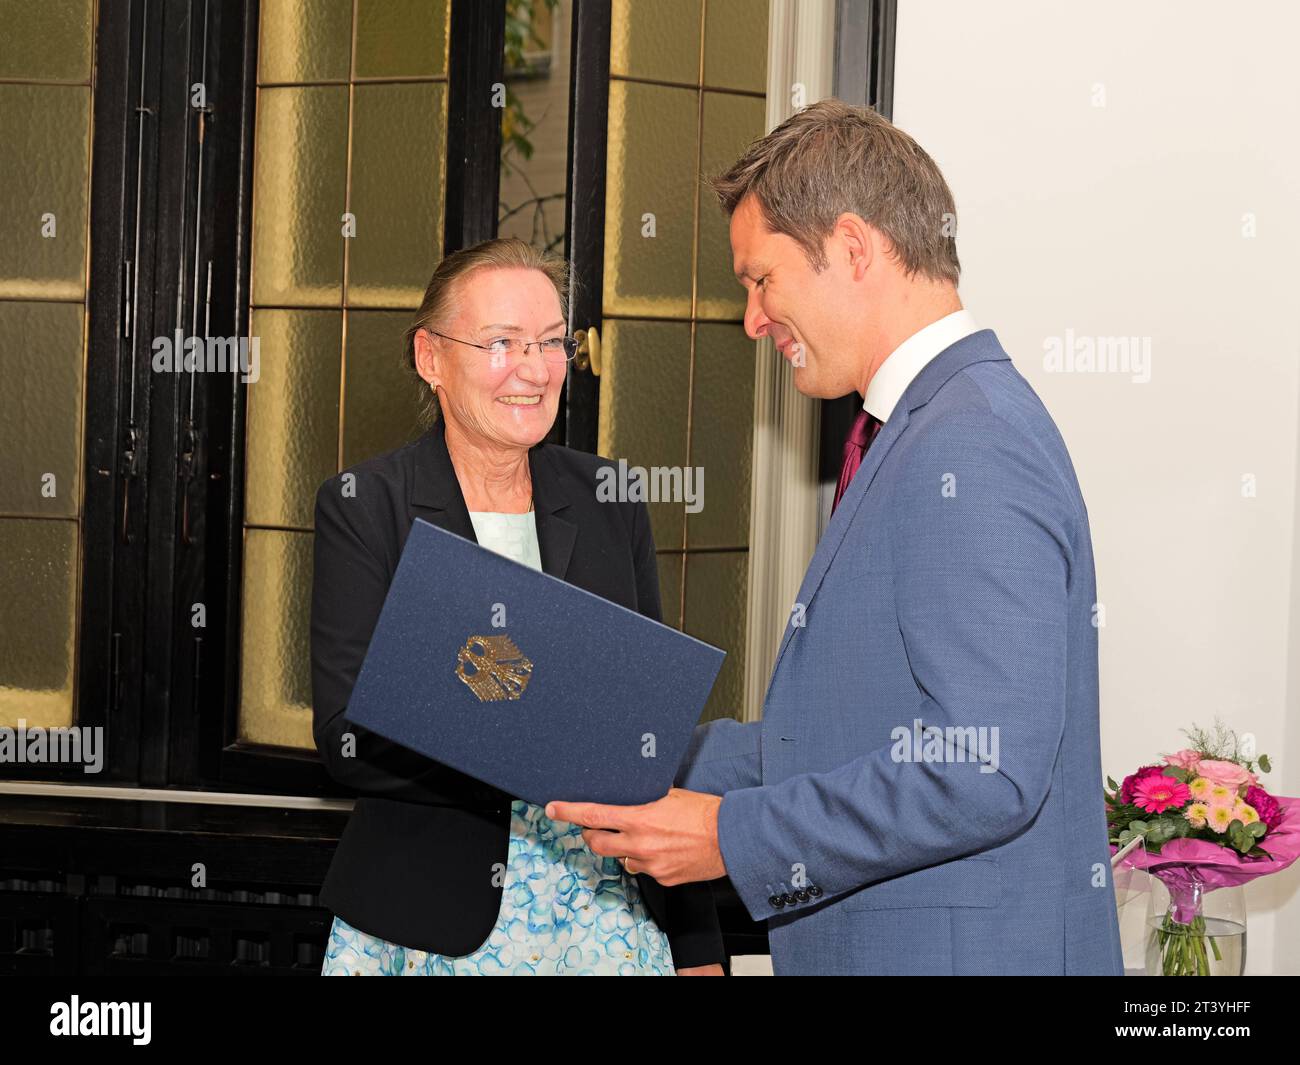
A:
[923, 793]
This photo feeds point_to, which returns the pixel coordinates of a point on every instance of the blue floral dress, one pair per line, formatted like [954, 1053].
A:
[564, 910]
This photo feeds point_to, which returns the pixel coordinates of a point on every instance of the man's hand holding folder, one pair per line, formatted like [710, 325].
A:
[674, 840]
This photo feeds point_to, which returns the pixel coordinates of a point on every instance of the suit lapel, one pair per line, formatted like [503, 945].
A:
[551, 496]
[982, 346]
[436, 497]
[840, 520]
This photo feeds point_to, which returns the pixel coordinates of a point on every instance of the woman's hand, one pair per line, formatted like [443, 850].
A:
[701, 970]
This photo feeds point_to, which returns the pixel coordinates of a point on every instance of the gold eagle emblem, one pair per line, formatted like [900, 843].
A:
[493, 668]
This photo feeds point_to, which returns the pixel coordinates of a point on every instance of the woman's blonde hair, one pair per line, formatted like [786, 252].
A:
[439, 303]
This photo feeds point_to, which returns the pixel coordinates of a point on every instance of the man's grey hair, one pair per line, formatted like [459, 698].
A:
[832, 158]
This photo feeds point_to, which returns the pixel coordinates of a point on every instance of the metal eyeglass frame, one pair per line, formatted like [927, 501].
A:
[570, 344]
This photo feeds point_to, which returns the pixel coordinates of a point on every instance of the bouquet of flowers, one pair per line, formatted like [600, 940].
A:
[1206, 823]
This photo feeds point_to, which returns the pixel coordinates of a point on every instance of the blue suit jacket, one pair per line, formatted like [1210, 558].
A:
[953, 589]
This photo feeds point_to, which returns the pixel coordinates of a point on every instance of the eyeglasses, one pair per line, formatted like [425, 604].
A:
[553, 349]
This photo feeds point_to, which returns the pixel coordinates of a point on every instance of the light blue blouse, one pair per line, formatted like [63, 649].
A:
[564, 910]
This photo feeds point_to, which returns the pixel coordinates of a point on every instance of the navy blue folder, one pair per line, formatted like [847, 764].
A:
[535, 686]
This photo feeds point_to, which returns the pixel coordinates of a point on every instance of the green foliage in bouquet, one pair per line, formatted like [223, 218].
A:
[1164, 810]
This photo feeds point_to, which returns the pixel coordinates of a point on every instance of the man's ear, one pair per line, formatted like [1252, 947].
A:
[427, 358]
[856, 240]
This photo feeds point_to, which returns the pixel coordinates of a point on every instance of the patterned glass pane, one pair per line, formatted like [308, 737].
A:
[45, 174]
[305, 40]
[293, 415]
[275, 655]
[717, 595]
[38, 585]
[644, 387]
[650, 200]
[398, 146]
[299, 190]
[40, 408]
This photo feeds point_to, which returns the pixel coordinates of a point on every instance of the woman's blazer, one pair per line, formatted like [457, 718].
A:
[420, 860]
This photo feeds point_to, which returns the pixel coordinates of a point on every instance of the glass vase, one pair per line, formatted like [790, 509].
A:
[1194, 930]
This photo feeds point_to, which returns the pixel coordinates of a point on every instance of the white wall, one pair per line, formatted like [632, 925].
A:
[1127, 220]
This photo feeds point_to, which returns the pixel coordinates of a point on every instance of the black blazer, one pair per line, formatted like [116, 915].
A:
[415, 865]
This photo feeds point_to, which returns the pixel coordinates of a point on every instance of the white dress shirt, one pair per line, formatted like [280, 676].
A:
[899, 370]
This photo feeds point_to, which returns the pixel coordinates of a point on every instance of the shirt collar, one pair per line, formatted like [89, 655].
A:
[907, 360]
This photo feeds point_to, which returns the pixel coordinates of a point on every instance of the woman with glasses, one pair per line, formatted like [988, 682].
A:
[438, 873]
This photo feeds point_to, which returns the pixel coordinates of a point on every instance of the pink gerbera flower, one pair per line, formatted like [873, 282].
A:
[1126, 788]
[1156, 794]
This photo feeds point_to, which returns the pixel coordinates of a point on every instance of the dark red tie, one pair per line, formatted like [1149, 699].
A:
[865, 428]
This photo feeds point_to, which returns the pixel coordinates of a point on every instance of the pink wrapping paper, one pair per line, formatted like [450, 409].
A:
[1182, 864]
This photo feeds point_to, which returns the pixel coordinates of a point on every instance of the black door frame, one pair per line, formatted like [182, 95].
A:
[115, 471]
[476, 62]
[584, 239]
[476, 56]
[164, 454]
